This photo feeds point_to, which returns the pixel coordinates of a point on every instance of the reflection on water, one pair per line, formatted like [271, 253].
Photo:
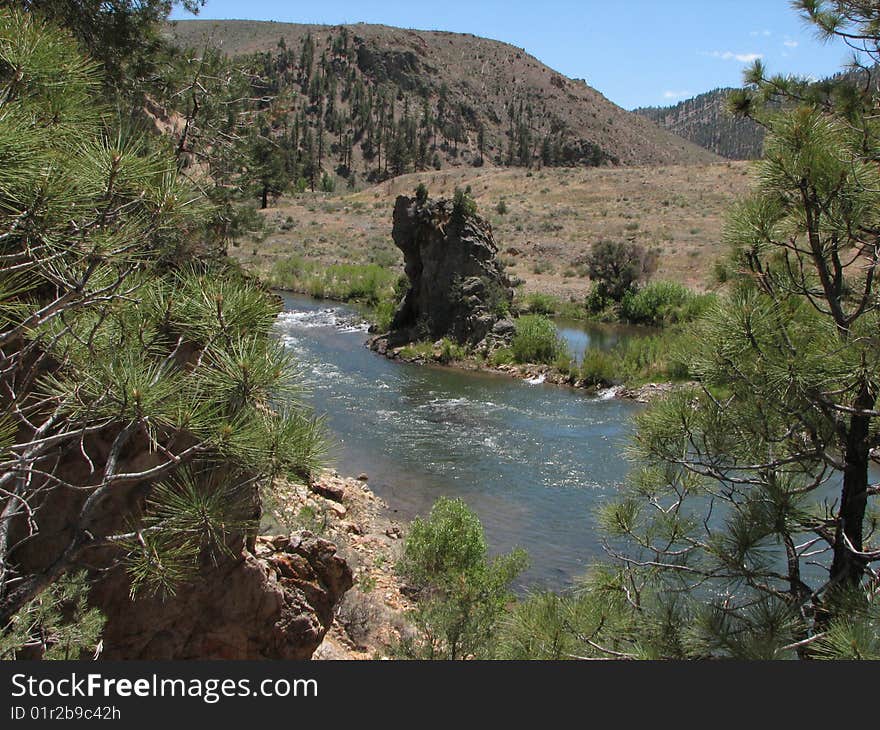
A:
[580, 336]
[533, 461]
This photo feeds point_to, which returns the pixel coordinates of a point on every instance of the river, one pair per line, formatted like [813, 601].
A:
[533, 461]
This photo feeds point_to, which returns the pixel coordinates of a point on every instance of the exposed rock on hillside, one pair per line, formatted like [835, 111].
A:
[457, 287]
[371, 617]
[257, 599]
[274, 603]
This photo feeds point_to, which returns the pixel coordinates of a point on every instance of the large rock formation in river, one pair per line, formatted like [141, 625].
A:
[457, 286]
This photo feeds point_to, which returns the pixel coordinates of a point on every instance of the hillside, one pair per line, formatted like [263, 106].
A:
[550, 221]
[372, 102]
[705, 121]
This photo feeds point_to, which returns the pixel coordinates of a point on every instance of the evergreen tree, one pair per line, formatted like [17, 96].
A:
[267, 171]
[122, 35]
[461, 593]
[749, 530]
[136, 379]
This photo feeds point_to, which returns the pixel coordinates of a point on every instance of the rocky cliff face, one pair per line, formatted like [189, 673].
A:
[260, 598]
[275, 602]
[457, 287]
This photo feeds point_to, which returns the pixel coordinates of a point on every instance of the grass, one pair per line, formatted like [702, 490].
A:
[366, 283]
[423, 350]
[537, 341]
[448, 352]
[590, 208]
[538, 303]
[657, 304]
[662, 303]
[637, 360]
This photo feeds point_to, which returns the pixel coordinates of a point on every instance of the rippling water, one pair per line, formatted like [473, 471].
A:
[532, 460]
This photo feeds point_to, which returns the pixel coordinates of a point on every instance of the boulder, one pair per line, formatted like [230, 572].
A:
[328, 490]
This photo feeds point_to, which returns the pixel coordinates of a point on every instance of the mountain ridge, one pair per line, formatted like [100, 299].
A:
[705, 121]
[486, 101]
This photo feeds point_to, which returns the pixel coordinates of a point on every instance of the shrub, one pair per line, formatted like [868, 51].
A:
[463, 204]
[663, 302]
[451, 351]
[497, 298]
[421, 350]
[501, 356]
[638, 360]
[721, 271]
[597, 300]
[328, 183]
[462, 595]
[382, 315]
[597, 367]
[616, 267]
[538, 303]
[537, 340]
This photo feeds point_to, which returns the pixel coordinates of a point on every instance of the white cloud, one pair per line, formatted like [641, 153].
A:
[673, 95]
[731, 56]
[764, 33]
[790, 43]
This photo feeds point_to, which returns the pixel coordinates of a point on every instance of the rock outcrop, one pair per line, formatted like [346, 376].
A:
[457, 286]
[259, 598]
[371, 618]
[276, 602]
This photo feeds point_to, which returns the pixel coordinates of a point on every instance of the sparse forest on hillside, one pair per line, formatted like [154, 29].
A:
[705, 120]
[365, 103]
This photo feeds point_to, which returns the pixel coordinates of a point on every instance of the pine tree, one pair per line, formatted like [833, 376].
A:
[135, 376]
[122, 35]
[749, 529]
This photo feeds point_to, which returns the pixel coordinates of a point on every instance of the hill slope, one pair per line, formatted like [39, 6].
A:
[437, 99]
[552, 219]
[704, 120]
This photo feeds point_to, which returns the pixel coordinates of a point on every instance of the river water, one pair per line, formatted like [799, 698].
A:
[534, 461]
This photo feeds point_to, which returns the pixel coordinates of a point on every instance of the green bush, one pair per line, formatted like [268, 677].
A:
[616, 267]
[451, 351]
[598, 367]
[538, 303]
[421, 350]
[597, 301]
[463, 204]
[501, 356]
[663, 303]
[462, 595]
[382, 315]
[537, 340]
[497, 298]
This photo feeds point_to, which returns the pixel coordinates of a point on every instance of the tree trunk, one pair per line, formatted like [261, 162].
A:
[264, 202]
[846, 568]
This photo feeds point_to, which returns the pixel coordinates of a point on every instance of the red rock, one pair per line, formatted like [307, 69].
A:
[329, 491]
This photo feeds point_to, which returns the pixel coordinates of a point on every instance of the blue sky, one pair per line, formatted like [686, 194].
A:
[636, 52]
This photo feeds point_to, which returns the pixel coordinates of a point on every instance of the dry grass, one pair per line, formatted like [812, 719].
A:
[553, 217]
